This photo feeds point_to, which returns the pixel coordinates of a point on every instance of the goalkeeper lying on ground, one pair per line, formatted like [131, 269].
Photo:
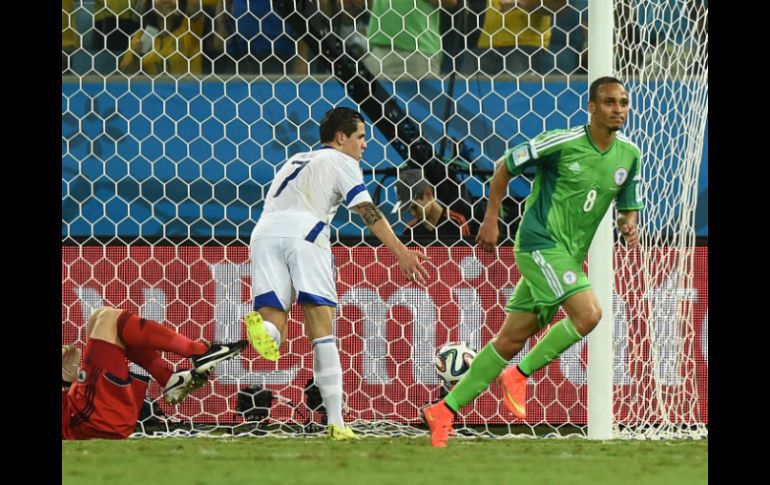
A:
[104, 398]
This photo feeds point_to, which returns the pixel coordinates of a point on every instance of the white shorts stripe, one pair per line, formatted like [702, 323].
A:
[549, 273]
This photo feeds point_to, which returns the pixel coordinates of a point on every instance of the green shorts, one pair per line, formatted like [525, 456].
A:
[548, 277]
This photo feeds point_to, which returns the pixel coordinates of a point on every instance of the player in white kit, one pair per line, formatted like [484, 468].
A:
[291, 257]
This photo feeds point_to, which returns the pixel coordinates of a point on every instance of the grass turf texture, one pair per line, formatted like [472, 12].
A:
[399, 461]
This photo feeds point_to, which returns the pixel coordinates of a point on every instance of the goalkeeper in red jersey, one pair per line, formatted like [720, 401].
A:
[101, 398]
[580, 172]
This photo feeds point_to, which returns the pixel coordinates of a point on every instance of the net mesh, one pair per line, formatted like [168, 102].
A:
[663, 46]
[173, 125]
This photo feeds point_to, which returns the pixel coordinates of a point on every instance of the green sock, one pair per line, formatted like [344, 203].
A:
[486, 366]
[557, 340]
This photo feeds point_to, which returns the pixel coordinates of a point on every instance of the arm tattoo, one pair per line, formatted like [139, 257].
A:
[369, 213]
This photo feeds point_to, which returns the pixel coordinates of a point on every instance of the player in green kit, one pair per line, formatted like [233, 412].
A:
[580, 172]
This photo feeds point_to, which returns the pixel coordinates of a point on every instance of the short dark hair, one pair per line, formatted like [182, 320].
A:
[339, 119]
[593, 92]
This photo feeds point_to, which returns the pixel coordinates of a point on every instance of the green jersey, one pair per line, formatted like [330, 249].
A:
[408, 25]
[575, 184]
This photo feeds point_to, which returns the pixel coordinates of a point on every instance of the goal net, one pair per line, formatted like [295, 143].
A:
[660, 315]
[174, 124]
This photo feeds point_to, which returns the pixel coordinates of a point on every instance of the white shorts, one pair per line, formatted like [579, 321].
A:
[284, 269]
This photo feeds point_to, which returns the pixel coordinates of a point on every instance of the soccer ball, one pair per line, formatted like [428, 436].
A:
[453, 360]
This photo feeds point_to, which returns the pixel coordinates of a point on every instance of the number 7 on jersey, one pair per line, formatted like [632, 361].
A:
[292, 176]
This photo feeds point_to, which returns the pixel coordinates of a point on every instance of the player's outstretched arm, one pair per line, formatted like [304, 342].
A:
[627, 226]
[489, 232]
[408, 261]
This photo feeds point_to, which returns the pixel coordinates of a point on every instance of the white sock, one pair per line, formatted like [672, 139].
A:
[273, 331]
[328, 377]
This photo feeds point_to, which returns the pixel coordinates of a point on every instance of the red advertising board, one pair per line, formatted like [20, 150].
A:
[388, 329]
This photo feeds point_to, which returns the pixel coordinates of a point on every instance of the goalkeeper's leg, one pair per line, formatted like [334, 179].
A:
[141, 333]
[139, 337]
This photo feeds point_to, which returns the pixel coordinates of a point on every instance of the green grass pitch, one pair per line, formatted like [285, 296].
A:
[399, 461]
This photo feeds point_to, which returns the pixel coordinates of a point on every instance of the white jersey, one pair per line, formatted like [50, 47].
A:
[306, 192]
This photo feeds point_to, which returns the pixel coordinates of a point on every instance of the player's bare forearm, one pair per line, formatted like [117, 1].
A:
[489, 233]
[497, 189]
[408, 261]
[370, 213]
[380, 227]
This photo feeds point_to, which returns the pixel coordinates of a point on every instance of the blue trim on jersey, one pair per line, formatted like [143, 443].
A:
[323, 340]
[303, 297]
[267, 299]
[117, 380]
[354, 192]
[140, 377]
[313, 234]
